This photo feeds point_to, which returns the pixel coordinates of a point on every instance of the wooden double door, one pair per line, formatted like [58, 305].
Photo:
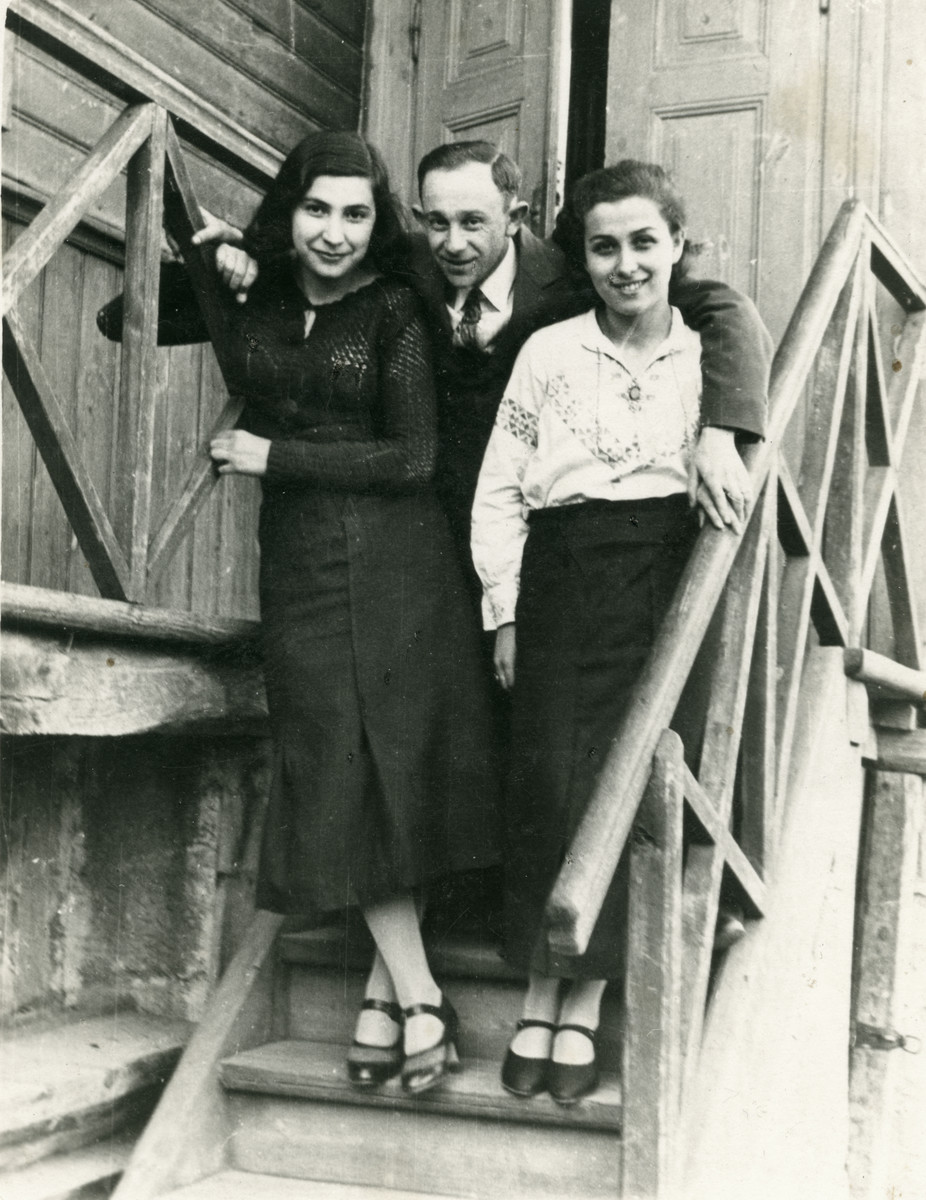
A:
[728, 93]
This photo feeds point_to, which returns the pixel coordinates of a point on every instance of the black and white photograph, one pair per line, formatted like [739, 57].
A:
[463, 602]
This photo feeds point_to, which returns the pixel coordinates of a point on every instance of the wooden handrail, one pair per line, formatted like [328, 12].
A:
[22, 605]
[577, 896]
[884, 675]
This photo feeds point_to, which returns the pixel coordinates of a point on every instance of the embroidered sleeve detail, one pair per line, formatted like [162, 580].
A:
[518, 421]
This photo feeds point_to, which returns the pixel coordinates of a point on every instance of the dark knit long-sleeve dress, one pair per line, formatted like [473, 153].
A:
[383, 777]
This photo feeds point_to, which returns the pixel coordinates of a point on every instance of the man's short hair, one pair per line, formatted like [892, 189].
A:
[506, 174]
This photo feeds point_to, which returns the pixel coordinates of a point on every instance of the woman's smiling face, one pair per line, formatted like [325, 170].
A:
[332, 226]
[629, 253]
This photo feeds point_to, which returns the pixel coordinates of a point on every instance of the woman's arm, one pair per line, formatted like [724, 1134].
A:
[401, 459]
[499, 527]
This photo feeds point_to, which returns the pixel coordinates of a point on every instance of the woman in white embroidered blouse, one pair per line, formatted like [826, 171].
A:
[581, 529]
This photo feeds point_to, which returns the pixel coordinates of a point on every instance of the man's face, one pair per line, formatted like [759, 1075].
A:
[467, 221]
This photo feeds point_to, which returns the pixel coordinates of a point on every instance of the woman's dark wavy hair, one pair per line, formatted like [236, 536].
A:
[624, 179]
[269, 236]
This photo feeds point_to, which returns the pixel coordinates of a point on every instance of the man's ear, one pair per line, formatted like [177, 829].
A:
[517, 215]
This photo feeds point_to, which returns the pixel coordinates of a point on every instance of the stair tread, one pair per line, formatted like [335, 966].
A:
[70, 1173]
[246, 1185]
[315, 1071]
[452, 956]
[76, 1063]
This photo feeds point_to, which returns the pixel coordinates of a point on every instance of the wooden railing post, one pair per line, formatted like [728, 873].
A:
[652, 1028]
[138, 382]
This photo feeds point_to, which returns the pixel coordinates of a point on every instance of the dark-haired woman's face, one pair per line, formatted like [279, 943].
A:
[332, 226]
[629, 252]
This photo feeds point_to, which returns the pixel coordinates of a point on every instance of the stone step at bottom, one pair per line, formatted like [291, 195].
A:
[244, 1185]
[90, 1173]
[72, 1079]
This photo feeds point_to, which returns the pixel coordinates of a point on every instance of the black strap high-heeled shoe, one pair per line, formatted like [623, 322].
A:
[522, 1075]
[426, 1068]
[569, 1082]
[370, 1066]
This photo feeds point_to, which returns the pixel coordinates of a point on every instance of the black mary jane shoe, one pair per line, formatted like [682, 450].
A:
[427, 1068]
[569, 1082]
[370, 1066]
[524, 1076]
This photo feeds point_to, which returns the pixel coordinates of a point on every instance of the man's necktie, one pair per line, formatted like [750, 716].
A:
[465, 332]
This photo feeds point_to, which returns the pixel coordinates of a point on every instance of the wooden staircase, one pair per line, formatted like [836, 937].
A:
[698, 786]
[290, 1112]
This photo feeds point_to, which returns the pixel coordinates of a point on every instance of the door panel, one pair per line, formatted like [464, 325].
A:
[691, 85]
[487, 69]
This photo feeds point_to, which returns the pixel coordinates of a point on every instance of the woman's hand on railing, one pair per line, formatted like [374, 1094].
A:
[504, 656]
[718, 479]
[237, 452]
[236, 268]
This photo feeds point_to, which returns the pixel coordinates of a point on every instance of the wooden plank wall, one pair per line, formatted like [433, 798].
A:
[279, 68]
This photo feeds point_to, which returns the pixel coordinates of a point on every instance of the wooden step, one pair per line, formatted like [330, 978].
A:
[316, 1071]
[244, 1185]
[89, 1173]
[421, 1147]
[292, 1112]
[68, 1082]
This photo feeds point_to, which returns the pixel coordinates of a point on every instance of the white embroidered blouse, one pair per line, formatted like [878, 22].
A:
[577, 424]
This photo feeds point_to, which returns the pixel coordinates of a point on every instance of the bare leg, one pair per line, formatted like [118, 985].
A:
[541, 1003]
[581, 1006]
[396, 930]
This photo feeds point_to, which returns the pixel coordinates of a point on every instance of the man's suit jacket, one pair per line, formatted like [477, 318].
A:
[470, 383]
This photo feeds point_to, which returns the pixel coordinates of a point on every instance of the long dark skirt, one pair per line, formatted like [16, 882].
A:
[596, 580]
[384, 777]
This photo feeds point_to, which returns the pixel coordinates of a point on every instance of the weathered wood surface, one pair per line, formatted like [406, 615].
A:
[842, 488]
[59, 684]
[24, 606]
[272, 1134]
[885, 676]
[902, 751]
[138, 377]
[756, 782]
[119, 67]
[79, 1078]
[76, 1174]
[43, 414]
[886, 996]
[186, 1138]
[33, 249]
[314, 1069]
[245, 1185]
[652, 1052]
[183, 219]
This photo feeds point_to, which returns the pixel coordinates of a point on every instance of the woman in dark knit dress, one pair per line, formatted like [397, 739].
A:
[381, 778]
